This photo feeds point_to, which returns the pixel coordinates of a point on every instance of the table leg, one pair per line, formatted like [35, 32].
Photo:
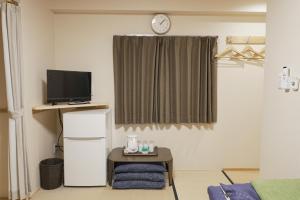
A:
[110, 172]
[170, 171]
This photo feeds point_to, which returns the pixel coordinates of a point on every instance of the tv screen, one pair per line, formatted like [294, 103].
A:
[68, 86]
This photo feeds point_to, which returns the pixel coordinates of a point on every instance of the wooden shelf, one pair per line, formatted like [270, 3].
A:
[66, 106]
[246, 40]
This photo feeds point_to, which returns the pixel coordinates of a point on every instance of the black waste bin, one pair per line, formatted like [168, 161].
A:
[51, 173]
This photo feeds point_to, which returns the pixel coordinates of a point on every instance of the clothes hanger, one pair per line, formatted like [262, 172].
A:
[263, 51]
[251, 53]
[232, 53]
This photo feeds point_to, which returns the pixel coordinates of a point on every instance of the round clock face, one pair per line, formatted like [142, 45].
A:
[161, 24]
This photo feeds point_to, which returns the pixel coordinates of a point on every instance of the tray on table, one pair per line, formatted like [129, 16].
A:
[154, 153]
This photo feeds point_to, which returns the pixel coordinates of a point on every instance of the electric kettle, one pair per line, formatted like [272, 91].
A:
[132, 143]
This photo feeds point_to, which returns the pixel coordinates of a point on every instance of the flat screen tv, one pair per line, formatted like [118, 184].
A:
[68, 86]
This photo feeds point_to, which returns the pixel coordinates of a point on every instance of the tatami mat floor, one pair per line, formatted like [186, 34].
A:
[242, 176]
[66, 193]
[190, 185]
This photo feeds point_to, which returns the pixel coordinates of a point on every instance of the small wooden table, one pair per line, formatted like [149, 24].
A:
[164, 156]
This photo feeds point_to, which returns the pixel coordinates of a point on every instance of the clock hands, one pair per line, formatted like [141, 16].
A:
[160, 23]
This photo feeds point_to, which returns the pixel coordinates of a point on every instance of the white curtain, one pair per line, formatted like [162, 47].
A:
[19, 184]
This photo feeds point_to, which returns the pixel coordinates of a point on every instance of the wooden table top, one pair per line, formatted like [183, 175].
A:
[164, 155]
[67, 106]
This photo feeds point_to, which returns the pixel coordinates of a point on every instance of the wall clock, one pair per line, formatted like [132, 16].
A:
[161, 24]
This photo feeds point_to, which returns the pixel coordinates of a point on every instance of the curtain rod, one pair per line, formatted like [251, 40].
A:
[3, 110]
[153, 35]
[13, 2]
[140, 34]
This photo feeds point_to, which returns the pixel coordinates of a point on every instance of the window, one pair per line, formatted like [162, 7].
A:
[165, 79]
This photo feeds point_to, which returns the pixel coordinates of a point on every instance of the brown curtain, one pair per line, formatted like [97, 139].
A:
[165, 79]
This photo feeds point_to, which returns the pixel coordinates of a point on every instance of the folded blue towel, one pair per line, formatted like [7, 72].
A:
[138, 185]
[148, 176]
[235, 192]
[241, 191]
[215, 193]
[140, 167]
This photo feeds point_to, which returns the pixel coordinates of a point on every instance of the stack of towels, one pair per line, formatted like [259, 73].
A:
[139, 176]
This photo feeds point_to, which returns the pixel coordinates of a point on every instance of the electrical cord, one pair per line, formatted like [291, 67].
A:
[61, 131]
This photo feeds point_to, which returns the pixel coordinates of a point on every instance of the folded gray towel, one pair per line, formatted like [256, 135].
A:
[148, 176]
[138, 185]
[140, 167]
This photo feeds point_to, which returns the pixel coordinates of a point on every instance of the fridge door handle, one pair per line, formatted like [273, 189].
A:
[84, 138]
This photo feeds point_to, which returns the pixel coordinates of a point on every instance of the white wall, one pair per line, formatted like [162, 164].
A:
[281, 128]
[161, 5]
[38, 54]
[84, 42]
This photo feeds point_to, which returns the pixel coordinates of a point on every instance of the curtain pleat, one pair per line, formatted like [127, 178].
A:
[134, 79]
[19, 183]
[165, 79]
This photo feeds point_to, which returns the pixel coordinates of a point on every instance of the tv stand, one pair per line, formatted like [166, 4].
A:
[78, 102]
[65, 106]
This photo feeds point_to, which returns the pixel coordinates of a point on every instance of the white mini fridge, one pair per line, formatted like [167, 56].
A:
[87, 142]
